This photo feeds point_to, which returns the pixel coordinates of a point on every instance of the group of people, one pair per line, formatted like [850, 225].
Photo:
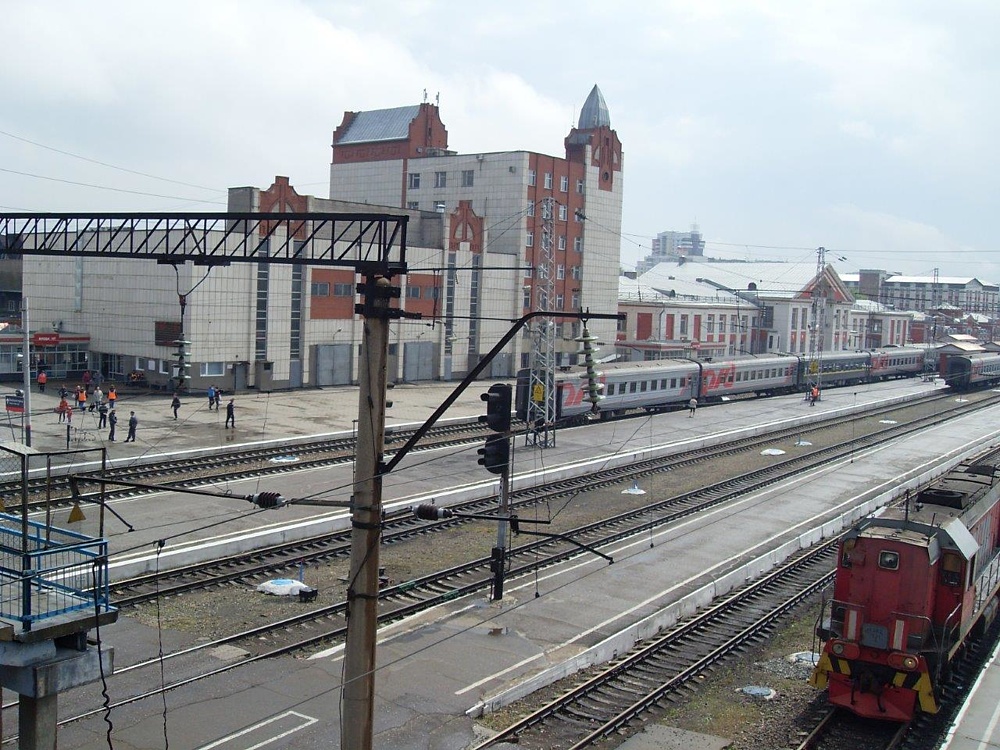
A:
[104, 405]
[214, 402]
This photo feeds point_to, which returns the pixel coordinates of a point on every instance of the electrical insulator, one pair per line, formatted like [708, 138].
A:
[594, 389]
[268, 500]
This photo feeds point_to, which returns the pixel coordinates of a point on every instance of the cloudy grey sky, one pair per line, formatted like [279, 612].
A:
[869, 128]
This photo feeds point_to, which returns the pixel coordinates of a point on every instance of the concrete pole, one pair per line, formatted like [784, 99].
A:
[26, 360]
[358, 696]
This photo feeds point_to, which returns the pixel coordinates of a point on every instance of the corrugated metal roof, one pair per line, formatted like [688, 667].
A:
[772, 280]
[380, 125]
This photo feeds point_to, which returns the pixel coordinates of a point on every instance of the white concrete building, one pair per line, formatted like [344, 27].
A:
[400, 157]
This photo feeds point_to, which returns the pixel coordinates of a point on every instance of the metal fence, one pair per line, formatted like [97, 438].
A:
[48, 572]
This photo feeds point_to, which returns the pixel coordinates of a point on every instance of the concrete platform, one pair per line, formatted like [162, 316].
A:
[977, 725]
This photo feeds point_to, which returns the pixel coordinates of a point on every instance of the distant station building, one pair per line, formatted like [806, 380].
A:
[709, 308]
[669, 246]
[400, 157]
[925, 293]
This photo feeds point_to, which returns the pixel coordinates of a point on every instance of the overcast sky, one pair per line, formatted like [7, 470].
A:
[778, 126]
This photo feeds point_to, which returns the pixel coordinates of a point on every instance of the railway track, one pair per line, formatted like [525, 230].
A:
[632, 689]
[840, 730]
[264, 562]
[417, 595]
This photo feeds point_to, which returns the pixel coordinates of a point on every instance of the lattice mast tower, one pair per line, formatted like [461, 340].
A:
[816, 330]
[541, 392]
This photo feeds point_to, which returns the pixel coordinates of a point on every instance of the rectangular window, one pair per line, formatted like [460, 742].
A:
[413, 205]
[579, 186]
[578, 244]
[560, 272]
[548, 180]
[575, 272]
[710, 324]
[531, 208]
[576, 300]
[343, 290]
[526, 298]
[532, 178]
[684, 325]
[413, 292]
[560, 302]
[562, 242]
[320, 289]
[440, 179]
[564, 184]
[468, 177]
[562, 212]
[213, 369]
[531, 239]
[528, 272]
[577, 216]
[413, 180]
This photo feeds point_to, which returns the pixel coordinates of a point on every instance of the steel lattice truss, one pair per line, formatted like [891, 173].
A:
[368, 243]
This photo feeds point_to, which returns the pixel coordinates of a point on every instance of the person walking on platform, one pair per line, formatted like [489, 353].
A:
[62, 409]
[43, 378]
[211, 397]
[81, 399]
[112, 397]
[98, 399]
[133, 422]
[813, 396]
[218, 397]
[102, 413]
[231, 414]
[112, 423]
[86, 381]
[692, 406]
[175, 404]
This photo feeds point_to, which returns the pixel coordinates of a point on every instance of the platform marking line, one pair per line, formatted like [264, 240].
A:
[655, 597]
[953, 729]
[307, 721]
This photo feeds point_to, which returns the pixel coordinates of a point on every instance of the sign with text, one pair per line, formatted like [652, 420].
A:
[45, 339]
[15, 404]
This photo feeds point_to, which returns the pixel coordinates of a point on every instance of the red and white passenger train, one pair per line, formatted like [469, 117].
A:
[666, 383]
[912, 584]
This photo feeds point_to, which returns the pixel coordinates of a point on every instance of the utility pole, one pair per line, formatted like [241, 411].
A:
[817, 330]
[26, 367]
[358, 700]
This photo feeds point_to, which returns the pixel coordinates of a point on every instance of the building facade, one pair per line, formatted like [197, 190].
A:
[257, 325]
[926, 293]
[555, 220]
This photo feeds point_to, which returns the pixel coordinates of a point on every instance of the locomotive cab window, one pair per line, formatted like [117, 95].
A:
[951, 569]
[888, 560]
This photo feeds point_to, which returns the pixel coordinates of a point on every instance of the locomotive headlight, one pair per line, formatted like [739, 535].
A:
[838, 648]
[903, 661]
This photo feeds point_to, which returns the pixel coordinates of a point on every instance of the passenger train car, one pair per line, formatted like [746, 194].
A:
[968, 371]
[911, 586]
[667, 383]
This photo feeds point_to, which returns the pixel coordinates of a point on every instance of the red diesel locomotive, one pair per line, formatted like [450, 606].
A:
[912, 584]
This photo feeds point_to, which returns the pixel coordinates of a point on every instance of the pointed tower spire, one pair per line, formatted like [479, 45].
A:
[595, 112]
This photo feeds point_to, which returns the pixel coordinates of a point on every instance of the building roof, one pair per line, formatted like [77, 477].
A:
[769, 280]
[679, 291]
[595, 112]
[380, 125]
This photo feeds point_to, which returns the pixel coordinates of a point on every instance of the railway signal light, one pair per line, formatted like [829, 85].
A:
[495, 454]
[594, 389]
[183, 356]
[497, 400]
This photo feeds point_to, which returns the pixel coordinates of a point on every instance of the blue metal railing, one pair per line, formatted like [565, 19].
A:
[49, 572]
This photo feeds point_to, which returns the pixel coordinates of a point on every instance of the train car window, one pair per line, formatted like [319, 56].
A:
[888, 560]
[631, 387]
[642, 387]
[663, 384]
[652, 386]
[673, 382]
[951, 569]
